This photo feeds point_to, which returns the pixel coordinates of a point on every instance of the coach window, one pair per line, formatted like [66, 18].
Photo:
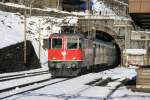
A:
[56, 43]
[72, 43]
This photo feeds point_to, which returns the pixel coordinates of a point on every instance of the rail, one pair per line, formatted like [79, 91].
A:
[20, 82]
[21, 75]
[10, 81]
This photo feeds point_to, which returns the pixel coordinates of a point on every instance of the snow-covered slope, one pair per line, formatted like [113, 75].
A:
[11, 28]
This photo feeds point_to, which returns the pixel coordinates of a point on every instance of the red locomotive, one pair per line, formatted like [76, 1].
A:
[70, 54]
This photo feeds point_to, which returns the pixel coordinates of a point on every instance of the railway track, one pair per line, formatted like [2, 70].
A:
[93, 86]
[15, 83]
[106, 84]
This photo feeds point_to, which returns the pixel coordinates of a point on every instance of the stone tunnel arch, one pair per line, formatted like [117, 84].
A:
[102, 26]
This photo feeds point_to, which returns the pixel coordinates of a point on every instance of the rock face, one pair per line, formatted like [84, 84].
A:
[12, 58]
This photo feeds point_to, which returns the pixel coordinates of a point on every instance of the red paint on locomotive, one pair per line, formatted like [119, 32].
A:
[63, 53]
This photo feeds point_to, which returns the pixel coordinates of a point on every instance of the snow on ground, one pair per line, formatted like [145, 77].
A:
[123, 93]
[77, 88]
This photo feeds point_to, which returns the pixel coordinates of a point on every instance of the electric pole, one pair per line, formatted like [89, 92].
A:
[25, 37]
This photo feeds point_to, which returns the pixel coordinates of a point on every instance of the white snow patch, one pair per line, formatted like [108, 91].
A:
[135, 51]
[11, 28]
[100, 8]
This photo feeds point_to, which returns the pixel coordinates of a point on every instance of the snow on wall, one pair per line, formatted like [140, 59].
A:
[135, 51]
[100, 8]
[48, 25]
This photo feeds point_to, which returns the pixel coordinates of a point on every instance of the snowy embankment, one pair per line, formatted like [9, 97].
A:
[77, 88]
[12, 29]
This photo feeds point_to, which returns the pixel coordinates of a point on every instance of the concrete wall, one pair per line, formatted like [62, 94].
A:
[140, 39]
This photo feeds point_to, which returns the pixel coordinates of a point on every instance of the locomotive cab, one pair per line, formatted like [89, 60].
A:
[65, 54]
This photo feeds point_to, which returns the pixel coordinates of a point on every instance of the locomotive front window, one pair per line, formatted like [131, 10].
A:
[56, 43]
[72, 43]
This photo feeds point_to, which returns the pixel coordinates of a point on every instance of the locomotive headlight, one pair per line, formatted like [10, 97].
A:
[74, 58]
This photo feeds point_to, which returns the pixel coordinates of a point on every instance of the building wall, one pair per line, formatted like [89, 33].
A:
[139, 6]
[140, 39]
